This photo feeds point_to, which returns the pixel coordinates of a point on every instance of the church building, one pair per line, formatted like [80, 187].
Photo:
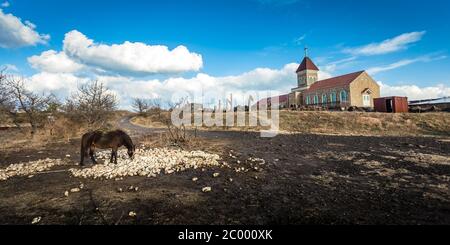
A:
[354, 89]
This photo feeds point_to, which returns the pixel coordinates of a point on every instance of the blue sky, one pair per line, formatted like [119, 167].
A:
[235, 37]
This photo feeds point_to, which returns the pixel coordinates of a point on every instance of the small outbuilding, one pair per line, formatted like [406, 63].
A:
[392, 104]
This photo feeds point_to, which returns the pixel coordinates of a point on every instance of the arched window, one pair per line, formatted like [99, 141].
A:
[324, 99]
[333, 97]
[343, 96]
[316, 99]
[308, 100]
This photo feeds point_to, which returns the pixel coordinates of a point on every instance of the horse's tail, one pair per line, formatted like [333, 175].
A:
[83, 150]
[86, 143]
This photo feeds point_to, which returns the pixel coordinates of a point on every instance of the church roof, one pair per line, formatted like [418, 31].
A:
[340, 81]
[307, 64]
[281, 99]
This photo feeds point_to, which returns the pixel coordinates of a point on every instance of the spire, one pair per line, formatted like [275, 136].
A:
[307, 63]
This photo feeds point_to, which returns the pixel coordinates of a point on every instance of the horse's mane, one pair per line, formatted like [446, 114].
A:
[121, 131]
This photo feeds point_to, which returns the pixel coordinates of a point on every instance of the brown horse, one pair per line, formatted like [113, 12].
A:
[110, 140]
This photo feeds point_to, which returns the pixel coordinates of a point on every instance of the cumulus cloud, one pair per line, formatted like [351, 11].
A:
[54, 62]
[414, 92]
[15, 33]
[395, 44]
[212, 87]
[130, 58]
[60, 84]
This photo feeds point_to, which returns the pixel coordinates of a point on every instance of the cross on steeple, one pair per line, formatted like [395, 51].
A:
[306, 51]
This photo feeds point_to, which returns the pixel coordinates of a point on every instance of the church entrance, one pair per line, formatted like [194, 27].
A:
[366, 100]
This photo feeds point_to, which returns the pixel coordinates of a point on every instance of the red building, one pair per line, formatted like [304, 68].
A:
[393, 104]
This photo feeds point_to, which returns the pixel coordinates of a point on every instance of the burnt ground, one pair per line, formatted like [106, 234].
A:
[307, 179]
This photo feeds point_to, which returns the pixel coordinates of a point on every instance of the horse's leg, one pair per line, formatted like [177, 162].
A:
[83, 153]
[112, 156]
[115, 149]
[91, 153]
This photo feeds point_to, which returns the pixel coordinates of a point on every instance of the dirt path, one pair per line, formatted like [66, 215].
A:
[136, 130]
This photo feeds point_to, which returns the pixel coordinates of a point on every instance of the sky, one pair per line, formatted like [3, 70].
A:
[156, 48]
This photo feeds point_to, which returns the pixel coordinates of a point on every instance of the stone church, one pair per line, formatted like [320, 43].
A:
[354, 89]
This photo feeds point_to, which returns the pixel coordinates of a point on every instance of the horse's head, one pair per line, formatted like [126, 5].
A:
[131, 151]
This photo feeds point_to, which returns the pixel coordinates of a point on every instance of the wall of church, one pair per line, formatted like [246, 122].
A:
[331, 97]
[357, 87]
[295, 99]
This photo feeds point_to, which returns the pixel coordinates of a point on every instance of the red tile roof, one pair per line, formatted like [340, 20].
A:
[281, 99]
[307, 64]
[340, 81]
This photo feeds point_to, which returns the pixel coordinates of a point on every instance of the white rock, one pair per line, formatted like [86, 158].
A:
[207, 189]
[132, 214]
[75, 190]
[66, 193]
[29, 168]
[195, 179]
[36, 220]
[148, 163]
[215, 175]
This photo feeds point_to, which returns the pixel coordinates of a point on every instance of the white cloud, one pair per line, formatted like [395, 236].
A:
[414, 92]
[130, 58]
[336, 65]
[54, 62]
[402, 63]
[400, 42]
[5, 4]
[15, 33]
[299, 40]
[60, 84]
[260, 80]
[257, 80]
[9, 68]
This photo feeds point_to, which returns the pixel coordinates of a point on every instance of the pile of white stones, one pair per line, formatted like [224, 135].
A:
[29, 168]
[147, 163]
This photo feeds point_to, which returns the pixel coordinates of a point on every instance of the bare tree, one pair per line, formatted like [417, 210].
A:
[30, 103]
[5, 94]
[93, 103]
[140, 105]
[156, 106]
[177, 134]
[6, 102]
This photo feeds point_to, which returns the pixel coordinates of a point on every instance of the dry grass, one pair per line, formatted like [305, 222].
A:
[354, 123]
[150, 121]
[61, 129]
[343, 123]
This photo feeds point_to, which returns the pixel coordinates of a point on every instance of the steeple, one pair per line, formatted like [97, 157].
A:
[307, 72]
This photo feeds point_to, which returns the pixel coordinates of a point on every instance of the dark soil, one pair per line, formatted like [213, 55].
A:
[307, 179]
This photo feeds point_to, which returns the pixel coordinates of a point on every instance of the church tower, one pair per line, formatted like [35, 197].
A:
[307, 73]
